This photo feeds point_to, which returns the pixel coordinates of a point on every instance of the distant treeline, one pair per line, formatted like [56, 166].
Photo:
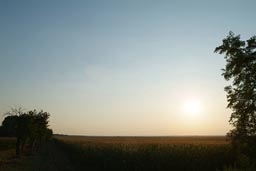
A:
[29, 127]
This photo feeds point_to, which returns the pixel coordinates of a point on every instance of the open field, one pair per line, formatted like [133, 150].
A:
[147, 140]
[121, 153]
[146, 153]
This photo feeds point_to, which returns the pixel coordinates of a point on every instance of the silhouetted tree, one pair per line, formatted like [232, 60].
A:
[28, 127]
[39, 125]
[240, 70]
[8, 128]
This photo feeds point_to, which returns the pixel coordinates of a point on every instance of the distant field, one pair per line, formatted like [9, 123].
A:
[147, 140]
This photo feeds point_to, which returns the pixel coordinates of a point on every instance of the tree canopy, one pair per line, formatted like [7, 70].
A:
[240, 71]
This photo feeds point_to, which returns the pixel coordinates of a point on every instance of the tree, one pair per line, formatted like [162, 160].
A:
[40, 125]
[240, 70]
[28, 127]
[8, 128]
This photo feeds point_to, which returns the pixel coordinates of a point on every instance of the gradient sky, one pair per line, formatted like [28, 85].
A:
[120, 67]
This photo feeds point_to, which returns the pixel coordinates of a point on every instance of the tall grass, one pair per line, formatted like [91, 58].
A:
[181, 157]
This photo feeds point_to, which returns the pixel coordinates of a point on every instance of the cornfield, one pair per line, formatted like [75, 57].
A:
[103, 154]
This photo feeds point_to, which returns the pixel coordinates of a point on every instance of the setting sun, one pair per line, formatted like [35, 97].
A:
[192, 106]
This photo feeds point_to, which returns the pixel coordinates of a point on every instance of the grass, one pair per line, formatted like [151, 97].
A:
[147, 153]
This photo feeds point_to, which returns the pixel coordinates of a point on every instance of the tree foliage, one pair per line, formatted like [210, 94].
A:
[28, 127]
[240, 71]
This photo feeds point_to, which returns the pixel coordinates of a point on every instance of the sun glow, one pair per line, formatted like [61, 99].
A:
[192, 107]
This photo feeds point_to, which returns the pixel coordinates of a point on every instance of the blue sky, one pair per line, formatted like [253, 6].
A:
[119, 67]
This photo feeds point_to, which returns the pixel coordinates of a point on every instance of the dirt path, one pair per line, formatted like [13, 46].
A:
[51, 158]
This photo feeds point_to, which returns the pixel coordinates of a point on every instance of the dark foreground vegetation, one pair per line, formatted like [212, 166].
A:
[178, 157]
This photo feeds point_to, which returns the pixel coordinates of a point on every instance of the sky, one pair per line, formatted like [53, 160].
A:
[120, 67]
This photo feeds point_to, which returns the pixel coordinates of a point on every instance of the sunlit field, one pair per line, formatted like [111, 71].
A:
[146, 153]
